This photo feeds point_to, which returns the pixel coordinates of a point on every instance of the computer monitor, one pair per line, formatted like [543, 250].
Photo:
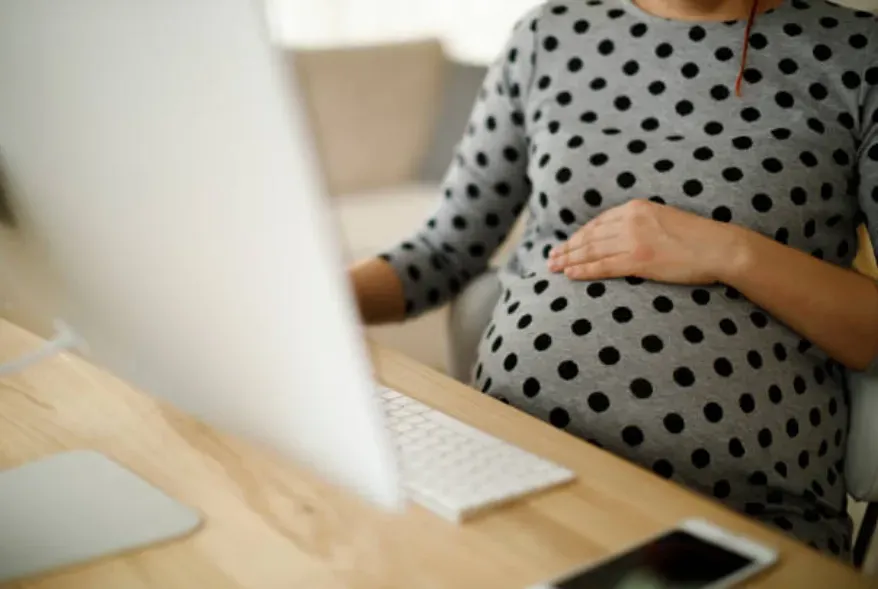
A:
[159, 168]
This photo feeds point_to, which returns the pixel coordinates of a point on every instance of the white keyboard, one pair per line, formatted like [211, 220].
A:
[456, 470]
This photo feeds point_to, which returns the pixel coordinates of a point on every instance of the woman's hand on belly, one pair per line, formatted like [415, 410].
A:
[649, 240]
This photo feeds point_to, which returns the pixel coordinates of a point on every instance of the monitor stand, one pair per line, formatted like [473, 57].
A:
[77, 506]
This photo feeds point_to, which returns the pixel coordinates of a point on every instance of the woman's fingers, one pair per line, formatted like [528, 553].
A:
[591, 250]
[598, 228]
[614, 266]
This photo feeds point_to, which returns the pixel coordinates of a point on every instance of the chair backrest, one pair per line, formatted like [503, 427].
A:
[372, 110]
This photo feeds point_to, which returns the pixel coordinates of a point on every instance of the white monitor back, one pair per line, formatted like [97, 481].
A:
[161, 168]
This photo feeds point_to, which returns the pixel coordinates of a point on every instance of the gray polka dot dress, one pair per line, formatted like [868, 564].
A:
[596, 102]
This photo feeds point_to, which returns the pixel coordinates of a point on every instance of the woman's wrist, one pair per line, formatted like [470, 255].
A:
[734, 253]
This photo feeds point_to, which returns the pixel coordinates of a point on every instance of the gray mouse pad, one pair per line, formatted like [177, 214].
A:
[77, 506]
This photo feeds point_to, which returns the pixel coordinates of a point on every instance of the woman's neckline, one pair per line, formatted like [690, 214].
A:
[632, 7]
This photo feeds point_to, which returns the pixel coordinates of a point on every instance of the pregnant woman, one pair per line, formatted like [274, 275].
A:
[692, 173]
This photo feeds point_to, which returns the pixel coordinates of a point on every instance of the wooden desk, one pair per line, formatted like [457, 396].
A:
[270, 524]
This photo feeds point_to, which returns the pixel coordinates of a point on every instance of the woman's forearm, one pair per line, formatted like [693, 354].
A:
[833, 307]
[378, 291]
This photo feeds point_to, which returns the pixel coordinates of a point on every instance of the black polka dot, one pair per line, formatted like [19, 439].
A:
[833, 406]
[632, 435]
[759, 319]
[798, 196]
[700, 458]
[531, 387]
[701, 296]
[723, 367]
[720, 92]
[581, 327]
[609, 355]
[606, 47]
[722, 489]
[713, 128]
[641, 388]
[804, 459]
[596, 290]
[592, 197]
[568, 370]
[818, 91]
[753, 508]
[637, 146]
[732, 174]
[663, 468]
[674, 423]
[542, 342]
[626, 180]
[858, 41]
[758, 478]
[754, 359]
[750, 114]
[808, 159]
[775, 395]
[822, 52]
[652, 344]
[747, 403]
[563, 175]
[684, 108]
[713, 412]
[762, 203]
[580, 27]
[736, 448]
[724, 54]
[765, 438]
[656, 88]
[559, 417]
[703, 154]
[510, 362]
[598, 402]
[792, 427]
[684, 377]
[780, 352]
[664, 165]
[689, 70]
[622, 314]
[693, 334]
[781, 134]
[788, 66]
[728, 326]
[638, 29]
[649, 124]
[752, 75]
[851, 80]
[630, 67]
[598, 159]
[663, 304]
[758, 41]
[559, 304]
[693, 188]
[810, 228]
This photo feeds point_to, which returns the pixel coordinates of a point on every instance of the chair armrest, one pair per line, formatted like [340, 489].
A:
[861, 460]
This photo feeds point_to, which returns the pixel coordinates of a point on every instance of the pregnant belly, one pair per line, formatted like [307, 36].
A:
[693, 382]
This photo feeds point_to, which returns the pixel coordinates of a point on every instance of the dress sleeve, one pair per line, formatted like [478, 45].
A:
[484, 189]
[867, 163]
